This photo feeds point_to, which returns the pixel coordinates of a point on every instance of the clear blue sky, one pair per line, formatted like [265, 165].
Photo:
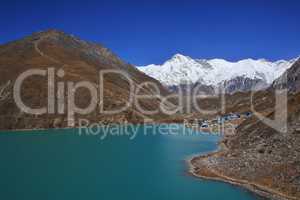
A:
[143, 32]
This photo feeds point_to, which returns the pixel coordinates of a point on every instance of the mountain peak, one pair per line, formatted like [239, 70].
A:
[179, 58]
[51, 31]
[178, 55]
[80, 61]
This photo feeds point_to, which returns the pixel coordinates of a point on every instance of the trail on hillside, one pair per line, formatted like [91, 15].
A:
[36, 47]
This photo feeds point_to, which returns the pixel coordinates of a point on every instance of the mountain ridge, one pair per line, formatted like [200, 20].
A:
[181, 69]
[80, 61]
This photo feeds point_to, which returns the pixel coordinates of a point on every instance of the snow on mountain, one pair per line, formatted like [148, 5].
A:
[182, 69]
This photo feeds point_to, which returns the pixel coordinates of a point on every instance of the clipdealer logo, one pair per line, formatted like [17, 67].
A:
[62, 94]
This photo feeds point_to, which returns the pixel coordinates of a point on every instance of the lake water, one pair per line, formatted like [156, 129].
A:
[63, 165]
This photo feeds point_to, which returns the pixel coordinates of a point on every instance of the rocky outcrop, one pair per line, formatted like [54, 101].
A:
[243, 84]
[290, 79]
[192, 89]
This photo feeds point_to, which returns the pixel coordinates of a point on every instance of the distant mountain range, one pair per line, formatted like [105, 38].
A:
[243, 75]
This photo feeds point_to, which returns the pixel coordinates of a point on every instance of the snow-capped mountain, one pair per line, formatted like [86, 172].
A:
[290, 79]
[183, 70]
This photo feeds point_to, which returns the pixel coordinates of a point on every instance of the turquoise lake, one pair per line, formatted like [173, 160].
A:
[63, 165]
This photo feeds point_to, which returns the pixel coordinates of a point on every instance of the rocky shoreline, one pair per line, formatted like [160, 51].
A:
[204, 167]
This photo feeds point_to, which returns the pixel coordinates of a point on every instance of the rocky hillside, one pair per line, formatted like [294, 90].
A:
[259, 153]
[80, 61]
[262, 158]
